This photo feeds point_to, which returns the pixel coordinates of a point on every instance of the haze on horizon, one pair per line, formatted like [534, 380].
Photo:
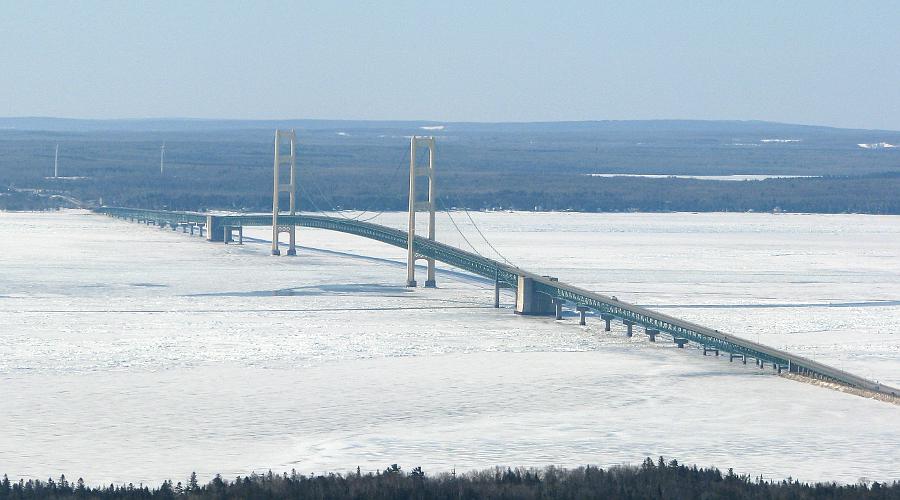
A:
[822, 63]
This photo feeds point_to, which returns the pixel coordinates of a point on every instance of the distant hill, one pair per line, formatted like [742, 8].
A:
[196, 124]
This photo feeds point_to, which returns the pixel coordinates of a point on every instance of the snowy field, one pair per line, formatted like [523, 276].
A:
[135, 354]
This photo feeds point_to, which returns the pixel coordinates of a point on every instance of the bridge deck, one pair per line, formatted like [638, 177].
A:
[509, 275]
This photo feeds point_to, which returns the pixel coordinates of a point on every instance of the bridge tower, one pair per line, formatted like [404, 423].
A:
[288, 159]
[416, 171]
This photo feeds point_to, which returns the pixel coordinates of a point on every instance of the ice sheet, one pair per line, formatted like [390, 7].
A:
[136, 354]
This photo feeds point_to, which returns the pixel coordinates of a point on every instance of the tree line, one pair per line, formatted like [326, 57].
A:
[650, 480]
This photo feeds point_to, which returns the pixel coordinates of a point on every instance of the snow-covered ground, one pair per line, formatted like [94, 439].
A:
[135, 354]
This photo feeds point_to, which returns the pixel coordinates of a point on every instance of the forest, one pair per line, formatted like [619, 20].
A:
[651, 480]
[365, 165]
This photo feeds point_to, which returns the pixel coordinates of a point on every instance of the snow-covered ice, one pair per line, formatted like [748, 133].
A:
[135, 354]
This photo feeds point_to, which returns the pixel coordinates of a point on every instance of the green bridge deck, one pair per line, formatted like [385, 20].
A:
[509, 276]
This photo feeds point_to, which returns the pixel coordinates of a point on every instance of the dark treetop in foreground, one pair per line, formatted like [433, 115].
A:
[651, 480]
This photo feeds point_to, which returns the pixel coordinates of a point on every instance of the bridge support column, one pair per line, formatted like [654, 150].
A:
[710, 349]
[557, 305]
[531, 302]
[628, 326]
[732, 357]
[652, 334]
[582, 312]
[415, 171]
[228, 234]
[214, 228]
[608, 319]
[290, 159]
[680, 342]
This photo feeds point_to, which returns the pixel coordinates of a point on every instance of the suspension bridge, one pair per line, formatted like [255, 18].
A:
[535, 294]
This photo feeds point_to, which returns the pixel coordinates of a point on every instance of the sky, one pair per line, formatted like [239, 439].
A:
[813, 62]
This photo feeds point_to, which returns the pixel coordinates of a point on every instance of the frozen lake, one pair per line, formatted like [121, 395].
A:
[135, 354]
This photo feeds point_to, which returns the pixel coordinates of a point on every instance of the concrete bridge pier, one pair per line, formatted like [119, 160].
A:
[557, 306]
[710, 349]
[680, 342]
[628, 326]
[430, 282]
[652, 333]
[228, 234]
[530, 302]
[582, 312]
[215, 229]
[732, 357]
[608, 319]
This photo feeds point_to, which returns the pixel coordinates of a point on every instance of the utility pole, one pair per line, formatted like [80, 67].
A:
[56, 163]
[162, 158]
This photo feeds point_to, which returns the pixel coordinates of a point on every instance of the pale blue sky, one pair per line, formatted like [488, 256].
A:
[817, 62]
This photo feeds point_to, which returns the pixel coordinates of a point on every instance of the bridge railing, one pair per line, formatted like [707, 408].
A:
[158, 216]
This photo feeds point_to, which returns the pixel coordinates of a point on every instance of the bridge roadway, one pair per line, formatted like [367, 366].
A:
[509, 276]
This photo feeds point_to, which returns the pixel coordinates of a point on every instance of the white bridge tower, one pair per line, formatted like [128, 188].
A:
[285, 158]
[415, 172]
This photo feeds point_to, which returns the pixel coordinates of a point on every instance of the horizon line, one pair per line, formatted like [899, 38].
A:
[438, 122]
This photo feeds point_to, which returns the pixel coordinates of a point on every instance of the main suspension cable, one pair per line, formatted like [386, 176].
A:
[485, 238]
[458, 230]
